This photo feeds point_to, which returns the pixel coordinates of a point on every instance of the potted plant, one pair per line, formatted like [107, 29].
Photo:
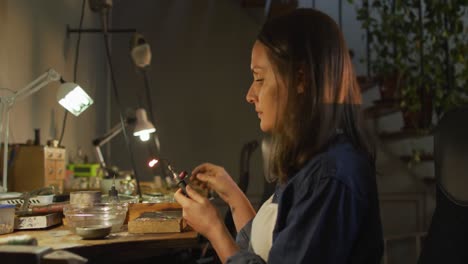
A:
[383, 20]
[440, 79]
[418, 47]
[446, 45]
[416, 104]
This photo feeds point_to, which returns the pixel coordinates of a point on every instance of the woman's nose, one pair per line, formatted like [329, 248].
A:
[251, 96]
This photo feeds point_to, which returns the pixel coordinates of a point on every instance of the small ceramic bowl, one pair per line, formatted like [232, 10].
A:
[93, 232]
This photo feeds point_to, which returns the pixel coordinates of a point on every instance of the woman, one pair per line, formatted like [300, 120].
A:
[325, 207]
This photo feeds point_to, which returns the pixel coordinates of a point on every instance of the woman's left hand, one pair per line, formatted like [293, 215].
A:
[202, 216]
[199, 213]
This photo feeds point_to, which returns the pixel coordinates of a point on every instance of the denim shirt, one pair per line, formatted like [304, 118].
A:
[328, 212]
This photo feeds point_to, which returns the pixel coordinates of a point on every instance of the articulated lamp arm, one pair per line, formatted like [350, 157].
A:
[98, 142]
[6, 102]
[70, 96]
[46, 78]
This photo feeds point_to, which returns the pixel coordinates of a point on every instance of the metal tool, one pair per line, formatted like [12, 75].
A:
[179, 178]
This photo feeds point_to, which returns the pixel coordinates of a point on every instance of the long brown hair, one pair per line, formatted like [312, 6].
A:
[307, 47]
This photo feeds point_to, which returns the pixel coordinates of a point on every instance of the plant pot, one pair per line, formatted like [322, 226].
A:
[421, 119]
[389, 87]
[411, 119]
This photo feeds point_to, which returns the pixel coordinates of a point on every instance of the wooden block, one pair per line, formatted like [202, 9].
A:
[157, 222]
[136, 209]
[38, 221]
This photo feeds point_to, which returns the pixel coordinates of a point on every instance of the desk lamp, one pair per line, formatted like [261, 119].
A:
[69, 95]
[142, 128]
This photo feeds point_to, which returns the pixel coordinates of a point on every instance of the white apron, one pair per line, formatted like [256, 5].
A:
[261, 237]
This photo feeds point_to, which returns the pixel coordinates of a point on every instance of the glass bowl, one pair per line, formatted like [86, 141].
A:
[98, 214]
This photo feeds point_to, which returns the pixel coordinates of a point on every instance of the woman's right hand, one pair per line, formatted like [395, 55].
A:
[215, 178]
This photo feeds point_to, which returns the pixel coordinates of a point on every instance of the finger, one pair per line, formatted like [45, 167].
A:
[183, 200]
[203, 177]
[201, 168]
[193, 178]
[194, 195]
[195, 181]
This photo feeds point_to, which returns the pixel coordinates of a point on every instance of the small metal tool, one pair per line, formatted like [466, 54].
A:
[179, 178]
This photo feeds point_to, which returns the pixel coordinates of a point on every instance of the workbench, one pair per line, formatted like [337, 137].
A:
[120, 247]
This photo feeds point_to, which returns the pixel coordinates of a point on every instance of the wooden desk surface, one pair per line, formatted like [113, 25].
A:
[117, 247]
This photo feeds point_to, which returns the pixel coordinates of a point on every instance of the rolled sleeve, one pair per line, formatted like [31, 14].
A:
[245, 255]
[243, 236]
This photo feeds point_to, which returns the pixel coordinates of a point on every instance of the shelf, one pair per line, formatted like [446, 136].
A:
[426, 157]
[405, 134]
[382, 108]
[366, 83]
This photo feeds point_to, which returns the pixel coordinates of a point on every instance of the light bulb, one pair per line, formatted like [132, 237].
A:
[144, 136]
[152, 163]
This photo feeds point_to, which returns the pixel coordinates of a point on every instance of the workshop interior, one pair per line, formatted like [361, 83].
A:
[108, 105]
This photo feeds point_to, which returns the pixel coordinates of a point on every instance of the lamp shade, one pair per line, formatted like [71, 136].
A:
[143, 127]
[73, 98]
[140, 51]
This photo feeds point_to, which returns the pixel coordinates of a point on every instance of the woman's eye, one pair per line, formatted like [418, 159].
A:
[259, 80]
